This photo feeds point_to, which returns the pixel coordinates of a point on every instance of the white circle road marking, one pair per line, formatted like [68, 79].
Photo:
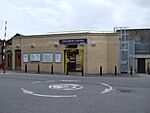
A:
[25, 91]
[66, 86]
[107, 90]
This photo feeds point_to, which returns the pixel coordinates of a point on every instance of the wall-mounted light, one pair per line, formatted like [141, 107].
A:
[17, 45]
[32, 45]
[93, 44]
[56, 44]
[82, 44]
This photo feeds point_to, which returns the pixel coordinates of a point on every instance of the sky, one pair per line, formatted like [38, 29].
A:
[43, 16]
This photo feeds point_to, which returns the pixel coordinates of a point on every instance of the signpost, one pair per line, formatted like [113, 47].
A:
[4, 50]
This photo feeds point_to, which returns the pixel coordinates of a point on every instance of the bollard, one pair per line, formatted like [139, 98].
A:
[25, 68]
[115, 70]
[52, 72]
[148, 70]
[101, 70]
[67, 70]
[38, 69]
[82, 71]
[131, 70]
[4, 67]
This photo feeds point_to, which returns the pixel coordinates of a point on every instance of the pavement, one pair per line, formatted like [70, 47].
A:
[45, 93]
[76, 74]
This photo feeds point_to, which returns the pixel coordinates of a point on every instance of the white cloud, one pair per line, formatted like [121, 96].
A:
[42, 16]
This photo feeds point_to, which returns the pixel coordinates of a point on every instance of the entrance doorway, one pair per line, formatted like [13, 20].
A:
[73, 60]
[18, 59]
[141, 65]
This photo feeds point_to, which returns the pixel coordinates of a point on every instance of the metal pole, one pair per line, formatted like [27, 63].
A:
[52, 69]
[67, 69]
[38, 69]
[4, 50]
[25, 68]
[115, 70]
[148, 71]
[101, 70]
[82, 71]
[131, 70]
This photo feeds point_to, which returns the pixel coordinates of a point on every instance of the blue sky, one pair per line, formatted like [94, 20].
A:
[43, 16]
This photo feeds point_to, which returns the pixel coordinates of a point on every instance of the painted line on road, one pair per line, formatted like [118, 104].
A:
[25, 91]
[69, 80]
[36, 82]
[108, 89]
[50, 81]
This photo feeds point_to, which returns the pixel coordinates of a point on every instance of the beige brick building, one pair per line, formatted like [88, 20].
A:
[66, 51]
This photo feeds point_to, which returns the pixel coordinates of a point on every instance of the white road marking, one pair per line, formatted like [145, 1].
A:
[25, 91]
[36, 82]
[69, 80]
[108, 89]
[66, 86]
[50, 81]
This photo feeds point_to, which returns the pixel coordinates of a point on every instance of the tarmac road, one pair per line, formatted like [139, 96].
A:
[43, 93]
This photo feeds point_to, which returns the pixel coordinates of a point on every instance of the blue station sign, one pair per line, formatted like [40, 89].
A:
[68, 41]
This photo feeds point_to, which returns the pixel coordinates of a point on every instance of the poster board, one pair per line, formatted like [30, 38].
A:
[35, 57]
[25, 57]
[47, 57]
[57, 57]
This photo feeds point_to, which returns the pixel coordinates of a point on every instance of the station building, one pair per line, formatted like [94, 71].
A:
[66, 50]
[124, 48]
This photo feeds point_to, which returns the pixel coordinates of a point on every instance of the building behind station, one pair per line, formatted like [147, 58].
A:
[87, 49]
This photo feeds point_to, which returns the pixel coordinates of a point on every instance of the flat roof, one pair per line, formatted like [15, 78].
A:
[64, 33]
[74, 32]
[133, 29]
